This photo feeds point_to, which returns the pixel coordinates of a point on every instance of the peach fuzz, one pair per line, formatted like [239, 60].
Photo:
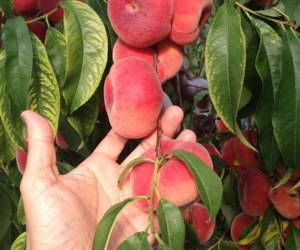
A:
[286, 201]
[133, 98]
[198, 216]
[246, 156]
[253, 189]
[141, 23]
[175, 183]
[169, 56]
[238, 224]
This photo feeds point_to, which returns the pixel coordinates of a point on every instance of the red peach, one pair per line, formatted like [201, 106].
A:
[286, 201]
[221, 127]
[246, 156]
[228, 155]
[184, 38]
[141, 23]
[239, 223]
[21, 158]
[60, 141]
[133, 98]
[213, 152]
[198, 216]
[25, 7]
[39, 29]
[253, 189]
[281, 169]
[175, 183]
[263, 3]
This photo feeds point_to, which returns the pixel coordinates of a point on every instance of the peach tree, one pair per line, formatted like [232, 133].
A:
[232, 66]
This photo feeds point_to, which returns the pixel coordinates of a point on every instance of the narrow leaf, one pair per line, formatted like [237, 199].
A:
[18, 63]
[225, 56]
[286, 112]
[293, 239]
[21, 213]
[5, 214]
[267, 65]
[171, 224]
[57, 53]
[8, 148]
[44, 96]
[83, 120]
[86, 42]
[6, 6]
[107, 223]
[137, 241]
[208, 182]
[20, 242]
[284, 179]
[130, 165]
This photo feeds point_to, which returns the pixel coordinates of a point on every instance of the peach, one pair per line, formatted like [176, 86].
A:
[296, 223]
[228, 155]
[169, 56]
[175, 183]
[281, 169]
[263, 3]
[253, 189]
[141, 23]
[213, 152]
[198, 216]
[60, 141]
[239, 223]
[221, 127]
[246, 156]
[25, 7]
[21, 158]
[286, 201]
[133, 98]
[39, 29]
[186, 20]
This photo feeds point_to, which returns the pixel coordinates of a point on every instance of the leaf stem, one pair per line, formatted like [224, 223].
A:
[42, 16]
[263, 16]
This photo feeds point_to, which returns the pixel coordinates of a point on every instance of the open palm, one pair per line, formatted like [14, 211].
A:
[62, 211]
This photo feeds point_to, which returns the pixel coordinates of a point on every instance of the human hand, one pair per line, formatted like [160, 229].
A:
[62, 211]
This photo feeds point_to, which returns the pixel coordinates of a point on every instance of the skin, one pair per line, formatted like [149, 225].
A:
[62, 211]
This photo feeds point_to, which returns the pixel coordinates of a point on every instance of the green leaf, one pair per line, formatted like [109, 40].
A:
[107, 223]
[225, 57]
[6, 6]
[21, 213]
[44, 96]
[130, 165]
[284, 179]
[20, 242]
[9, 113]
[138, 241]
[267, 65]
[293, 239]
[171, 224]
[83, 120]
[286, 112]
[199, 97]
[57, 53]
[86, 42]
[18, 62]
[5, 215]
[292, 9]
[8, 148]
[208, 182]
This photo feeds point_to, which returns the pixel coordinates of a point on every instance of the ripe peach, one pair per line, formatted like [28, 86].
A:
[175, 183]
[286, 201]
[186, 19]
[133, 98]
[239, 223]
[169, 56]
[198, 216]
[21, 158]
[281, 169]
[246, 156]
[228, 155]
[39, 29]
[221, 127]
[263, 3]
[25, 7]
[213, 152]
[141, 23]
[253, 189]
[60, 141]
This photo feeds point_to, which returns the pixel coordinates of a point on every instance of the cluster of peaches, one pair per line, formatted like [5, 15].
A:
[257, 191]
[33, 9]
[148, 52]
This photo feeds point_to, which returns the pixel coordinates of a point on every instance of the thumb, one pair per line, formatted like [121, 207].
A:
[41, 159]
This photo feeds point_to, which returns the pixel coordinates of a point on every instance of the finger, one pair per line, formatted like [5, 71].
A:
[112, 145]
[187, 135]
[170, 122]
[41, 159]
